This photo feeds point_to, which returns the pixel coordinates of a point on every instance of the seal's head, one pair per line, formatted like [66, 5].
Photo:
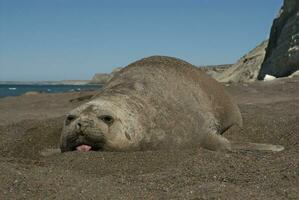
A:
[99, 125]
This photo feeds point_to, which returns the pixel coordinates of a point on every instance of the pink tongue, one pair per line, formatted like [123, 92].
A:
[83, 147]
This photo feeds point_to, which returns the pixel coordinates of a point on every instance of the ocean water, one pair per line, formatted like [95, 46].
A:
[16, 90]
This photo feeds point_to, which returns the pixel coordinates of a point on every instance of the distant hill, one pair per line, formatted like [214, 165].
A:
[213, 70]
[102, 78]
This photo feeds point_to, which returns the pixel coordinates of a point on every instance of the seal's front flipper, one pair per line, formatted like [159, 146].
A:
[256, 146]
[215, 142]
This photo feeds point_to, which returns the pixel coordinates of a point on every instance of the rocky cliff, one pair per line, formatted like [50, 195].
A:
[245, 70]
[282, 56]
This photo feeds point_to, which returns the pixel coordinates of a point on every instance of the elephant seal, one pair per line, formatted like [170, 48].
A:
[156, 102]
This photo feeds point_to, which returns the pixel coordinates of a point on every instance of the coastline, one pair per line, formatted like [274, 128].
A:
[21, 89]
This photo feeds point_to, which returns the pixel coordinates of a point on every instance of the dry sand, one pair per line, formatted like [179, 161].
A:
[30, 124]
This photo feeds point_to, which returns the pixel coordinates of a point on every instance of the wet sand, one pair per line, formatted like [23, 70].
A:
[30, 124]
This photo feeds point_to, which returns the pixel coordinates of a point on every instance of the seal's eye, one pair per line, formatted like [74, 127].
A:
[107, 119]
[70, 118]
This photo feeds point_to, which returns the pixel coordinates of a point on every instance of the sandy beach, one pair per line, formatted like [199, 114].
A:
[30, 124]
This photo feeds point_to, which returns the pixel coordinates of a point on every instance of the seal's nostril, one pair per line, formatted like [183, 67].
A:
[78, 126]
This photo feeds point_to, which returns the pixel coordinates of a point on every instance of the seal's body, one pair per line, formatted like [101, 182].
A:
[156, 102]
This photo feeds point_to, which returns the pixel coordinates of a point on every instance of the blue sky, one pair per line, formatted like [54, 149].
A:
[73, 39]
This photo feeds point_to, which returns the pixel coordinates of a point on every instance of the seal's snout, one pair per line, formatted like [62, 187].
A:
[82, 133]
[82, 125]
